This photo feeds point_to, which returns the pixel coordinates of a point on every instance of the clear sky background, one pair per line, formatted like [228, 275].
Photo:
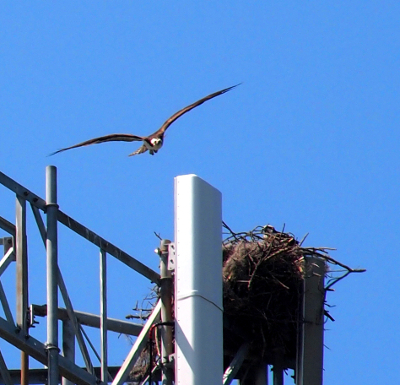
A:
[309, 140]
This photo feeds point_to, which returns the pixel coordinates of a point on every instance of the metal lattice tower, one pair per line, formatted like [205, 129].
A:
[193, 259]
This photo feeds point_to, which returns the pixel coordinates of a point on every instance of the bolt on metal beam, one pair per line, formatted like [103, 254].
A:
[22, 191]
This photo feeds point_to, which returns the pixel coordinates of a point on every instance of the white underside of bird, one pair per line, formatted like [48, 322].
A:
[152, 146]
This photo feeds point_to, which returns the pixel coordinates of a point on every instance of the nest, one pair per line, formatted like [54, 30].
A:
[263, 274]
[263, 271]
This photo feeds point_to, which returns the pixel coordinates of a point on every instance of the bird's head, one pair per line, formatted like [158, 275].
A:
[156, 142]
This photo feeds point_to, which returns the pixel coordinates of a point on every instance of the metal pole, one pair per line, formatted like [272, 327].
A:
[166, 314]
[22, 281]
[278, 373]
[103, 315]
[310, 349]
[278, 376]
[68, 345]
[52, 273]
[278, 366]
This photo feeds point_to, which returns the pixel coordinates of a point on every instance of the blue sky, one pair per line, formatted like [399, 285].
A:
[309, 140]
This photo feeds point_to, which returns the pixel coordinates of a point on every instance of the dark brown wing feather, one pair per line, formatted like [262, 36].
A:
[103, 139]
[178, 114]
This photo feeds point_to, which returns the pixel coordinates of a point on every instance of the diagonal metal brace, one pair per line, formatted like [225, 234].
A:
[235, 365]
[37, 350]
[138, 346]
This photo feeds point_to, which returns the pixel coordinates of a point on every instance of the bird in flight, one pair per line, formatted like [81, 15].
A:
[153, 142]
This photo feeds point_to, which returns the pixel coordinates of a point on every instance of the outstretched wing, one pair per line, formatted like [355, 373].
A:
[140, 150]
[178, 114]
[103, 139]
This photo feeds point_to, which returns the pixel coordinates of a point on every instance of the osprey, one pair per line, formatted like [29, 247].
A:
[153, 142]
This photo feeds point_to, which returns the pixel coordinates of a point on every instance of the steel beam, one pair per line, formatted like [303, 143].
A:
[166, 290]
[39, 376]
[137, 347]
[22, 280]
[7, 226]
[72, 317]
[278, 366]
[9, 252]
[103, 315]
[49, 236]
[37, 350]
[310, 349]
[8, 257]
[155, 376]
[92, 320]
[108, 247]
[4, 263]
[22, 191]
[52, 269]
[235, 365]
[68, 345]
[39, 222]
[7, 242]
[77, 227]
[6, 306]
[5, 374]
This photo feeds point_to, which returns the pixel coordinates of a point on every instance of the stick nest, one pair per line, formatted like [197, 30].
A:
[263, 274]
[263, 271]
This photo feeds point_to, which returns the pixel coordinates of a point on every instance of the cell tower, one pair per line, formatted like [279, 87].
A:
[183, 340]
